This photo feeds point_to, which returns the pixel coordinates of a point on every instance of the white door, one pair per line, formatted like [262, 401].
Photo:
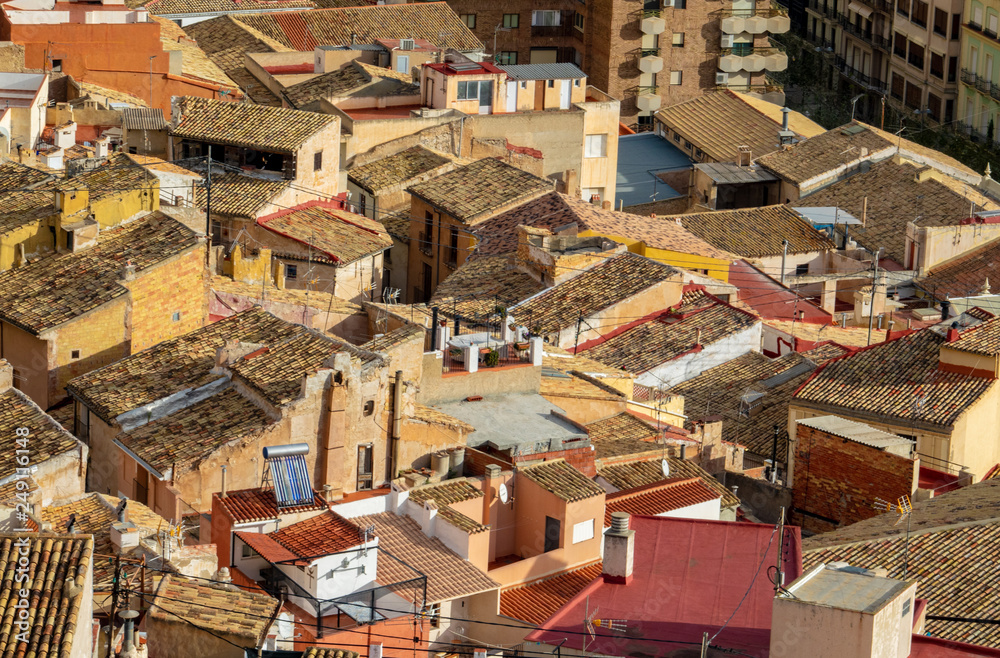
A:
[512, 97]
[564, 92]
[403, 63]
[485, 97]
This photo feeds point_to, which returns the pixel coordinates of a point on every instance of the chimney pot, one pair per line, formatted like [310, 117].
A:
[619, 550]
[784, 118]
[223, 493]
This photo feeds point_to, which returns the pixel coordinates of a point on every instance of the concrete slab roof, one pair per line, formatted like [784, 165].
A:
[511, 421]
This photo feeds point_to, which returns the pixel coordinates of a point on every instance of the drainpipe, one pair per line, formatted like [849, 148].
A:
[784, 255]
[397, 417]
[434, 329]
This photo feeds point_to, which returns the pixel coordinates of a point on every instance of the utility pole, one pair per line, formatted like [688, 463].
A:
[208, 207]
[871, 305]
[784, 255]
[114, 606]
[781, 540]
[774, 455]
[704, 645]
[579, 322]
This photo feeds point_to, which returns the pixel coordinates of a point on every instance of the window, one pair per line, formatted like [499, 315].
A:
[451, 256]
[596, 146]
[74, 354]
[937, 66]
[802, 269]
[899, 45]
[82, 426]
[897, 86]
[511, 21]
[551, 84]
[903, 7]
[508, 57]
[480, 90]
[678, 40]
[176, 317]
[912, 96]
[578, 21]
[952, 69]
[991, 24]
[57, 65]
[553, 533]
[583, 531]
[956, 26]
[365, 467]
[576, 83]
[247, 551]
[676, 4]
[545, 18]
[676, 77]
[291, 271]
[977, 18]
[317, 160]
[916, 57]
[906, 607]
[469, 20]
[941, 22]
[544, 56]
[934, 107]
[677, 137]
[369, 407]
[363, 205]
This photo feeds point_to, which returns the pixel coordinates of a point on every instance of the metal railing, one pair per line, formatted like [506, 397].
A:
[879, 5]
[744, 49]
[852, 29]
[426, 245]
[768, 12]
[859, 77]
[500, 356]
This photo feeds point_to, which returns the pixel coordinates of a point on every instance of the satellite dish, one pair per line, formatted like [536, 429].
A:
[665, 467]
[504, 494]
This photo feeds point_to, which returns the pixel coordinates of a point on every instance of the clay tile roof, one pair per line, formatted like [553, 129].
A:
[659, 498]
[896, 197]
[824, 153]
[59, 567]
[719, 123]
[325, 534]
[563, 480]
[61, 287]
[396, 169]
[313, 299]
[621, 427]
[965, 274]
[719, 391]
[14, 175]
[354, 79]
[396, 337]
[170, 7]
[647, 470]
[448, 576]
[112, 95]
[213, 608]
[596, 289]
[304, 30]
[267, 547]
[186, 437]
[243, 124]
[575, 385]
[446, 493]
[650, 343]
[757, 232]
[173, 365]
[251, 505]
[535, 602]
[461, 521]
[982, 339]
[47, 440]
[328, 652]
[952, 545]
[156, 164]
[885, 379]
[143, 118]
[341, 237]
[475, 288]
[194, 62]
[473, 193]
[239, 195]
[437, 417]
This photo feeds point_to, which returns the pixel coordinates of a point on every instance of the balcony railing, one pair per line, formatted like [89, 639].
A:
[968, 77]
[491, 355]
[744, 49]
[649, 52]
[857, 76]
[426, 244]
[854, 30]
[768, 12]
[882, 43]
[769, 87]
[982, 85]
[646, 89]
[879, 5]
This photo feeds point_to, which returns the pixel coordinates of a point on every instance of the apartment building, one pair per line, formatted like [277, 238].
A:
[979, 96]
[907, 51]
[648, 53]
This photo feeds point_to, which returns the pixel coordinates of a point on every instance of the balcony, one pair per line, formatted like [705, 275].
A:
[563, 30]
[752, 60]
[854, 30]
[968, 77]
[860, 78]
[879, 5]
[827, 9]
[425, 243]
[479, 351]
[982, 85]
[883, 44]
[773, 20]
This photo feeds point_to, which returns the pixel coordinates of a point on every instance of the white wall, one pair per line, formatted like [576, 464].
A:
[691, 365]
[708, 511]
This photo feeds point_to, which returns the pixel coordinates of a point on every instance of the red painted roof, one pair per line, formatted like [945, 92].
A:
[772, 300]
[931, 647]
[659, 497]
[689, 577]
[484, 67]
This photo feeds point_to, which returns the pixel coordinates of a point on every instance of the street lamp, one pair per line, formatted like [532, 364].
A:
[854, 104]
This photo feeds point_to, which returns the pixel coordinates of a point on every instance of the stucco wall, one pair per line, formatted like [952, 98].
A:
[175, 286]
[437, 387]
[694, 363]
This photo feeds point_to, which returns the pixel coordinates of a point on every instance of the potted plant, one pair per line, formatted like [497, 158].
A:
[492, 358]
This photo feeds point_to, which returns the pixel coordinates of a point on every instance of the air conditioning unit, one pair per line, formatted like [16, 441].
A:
[727, 40]
[721, 79]
[406, 44]
[668, 3]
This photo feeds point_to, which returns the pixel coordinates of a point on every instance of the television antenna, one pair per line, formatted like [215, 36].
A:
[903, 510]
[592, 622]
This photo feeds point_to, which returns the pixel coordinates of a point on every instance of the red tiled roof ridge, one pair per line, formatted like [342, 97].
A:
[668, 483]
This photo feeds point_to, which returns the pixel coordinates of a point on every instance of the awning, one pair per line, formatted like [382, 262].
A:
[860, 9]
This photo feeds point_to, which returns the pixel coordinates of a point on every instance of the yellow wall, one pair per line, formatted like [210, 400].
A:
[176, 285]
[113, 209]
[34, 236]
[716, 267]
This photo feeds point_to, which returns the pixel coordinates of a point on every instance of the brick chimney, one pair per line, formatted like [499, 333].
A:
[953, 332]
[619, 550]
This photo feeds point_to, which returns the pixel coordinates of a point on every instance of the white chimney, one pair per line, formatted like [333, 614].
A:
[124, 535]
[101, 147]
[65, 136]
[619, 550]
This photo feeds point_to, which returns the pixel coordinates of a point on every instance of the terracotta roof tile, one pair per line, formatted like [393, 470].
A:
[646, 470]
[47, 439]
[757, 232]
[61, 287]
[719, 123]
[982, 339]
[242, 124]
[896, 197]
[334, 235]
[848, 336]
[59, 567]
[169, 7]
[563, 480]
[113, 95]
[16, 175]
[251, 505]
[239, 195]
[659, 498]
[719, 391]
[824, 153]
[328, 652]
[213, 608]
[173, 365]
[965, 274]
[446, 493]
[448, 576]
[886, 378]
[574, 385]
[562, 360]
[952, 546]
[437, 417]
[266, 546]
[621, 427]
[396, 337]
[598, 288]
[473, 193]
[539, 600]
[671, 335]
[475, 288]
[194, 62]
[325, 534]
[397, 169]
[461, 521]
[316, 299]
[354, 79]
[432, 21]
[186, 437]
[156, 164]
